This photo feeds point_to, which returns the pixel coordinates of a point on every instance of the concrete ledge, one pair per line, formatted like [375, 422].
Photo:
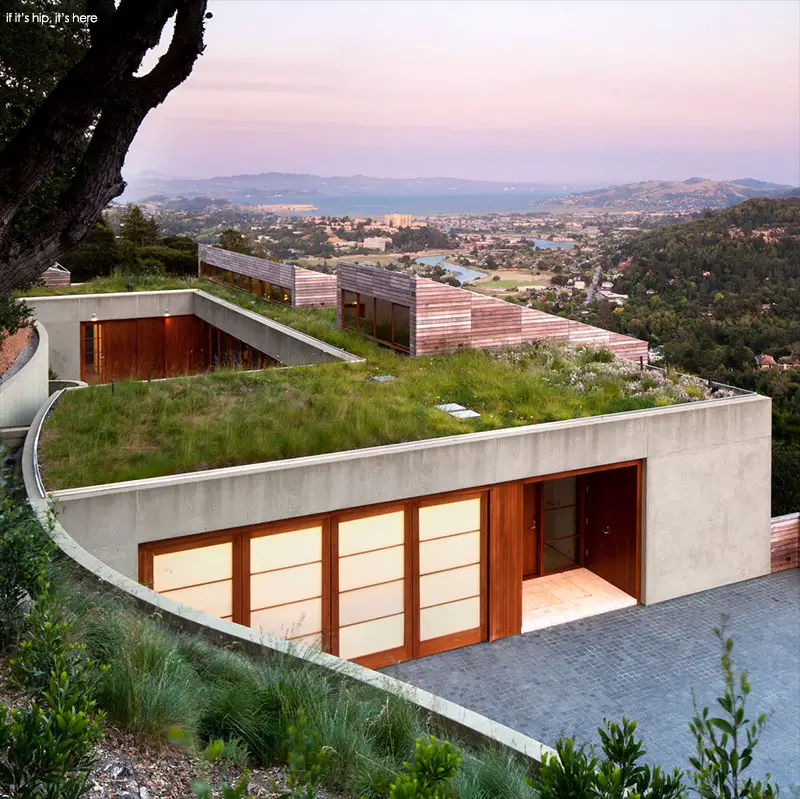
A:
[22, 394]
[471, 726]
[13, 437]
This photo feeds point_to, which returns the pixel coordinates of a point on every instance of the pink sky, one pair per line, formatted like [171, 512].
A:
[538, 91]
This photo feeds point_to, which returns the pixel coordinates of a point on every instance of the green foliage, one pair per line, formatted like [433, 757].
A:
[25, 549]
[430, 772]
[48, 752]
[575, 772]
[48, 652]
[207, 784]
[235, 241]
[138, 228]
[14, 315]
[725, 743]
[307, 759]
[98, 255]
[785, 478]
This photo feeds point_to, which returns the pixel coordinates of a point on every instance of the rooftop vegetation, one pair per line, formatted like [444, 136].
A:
[228, 418]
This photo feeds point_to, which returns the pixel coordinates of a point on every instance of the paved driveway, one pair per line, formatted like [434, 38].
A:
[641, 662]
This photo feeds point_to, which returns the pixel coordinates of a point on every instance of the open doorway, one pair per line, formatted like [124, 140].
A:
[580, 545]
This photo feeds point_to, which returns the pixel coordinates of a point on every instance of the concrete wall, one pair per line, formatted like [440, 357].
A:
[24, 392]
[62, 317]
[706, 515]
[454, 719]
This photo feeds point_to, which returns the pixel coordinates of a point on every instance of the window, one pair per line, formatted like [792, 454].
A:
[93, 346]
[449, 568]
[366, 314]
[88, 332]
[561, 532]
[372, 584]
[275, 293]
[402, 330]
[350, 310]
[383, 320]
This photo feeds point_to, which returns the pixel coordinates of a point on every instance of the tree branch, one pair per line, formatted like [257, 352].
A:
[98, 178]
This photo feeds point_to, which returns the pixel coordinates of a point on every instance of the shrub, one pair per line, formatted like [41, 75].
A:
[576, 772]
[721, 760]
[47, 751]
[48, 652]
[25, 549]
[428, 775]
[306, 759]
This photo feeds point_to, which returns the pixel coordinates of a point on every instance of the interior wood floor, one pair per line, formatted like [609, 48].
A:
[568, 596]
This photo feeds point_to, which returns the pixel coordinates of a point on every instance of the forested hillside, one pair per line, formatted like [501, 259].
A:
[716, 293]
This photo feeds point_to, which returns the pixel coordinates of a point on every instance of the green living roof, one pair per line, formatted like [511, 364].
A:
[229, 418]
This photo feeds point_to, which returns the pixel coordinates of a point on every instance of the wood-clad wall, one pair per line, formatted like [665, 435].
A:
[440, 318]
[505, 560]
[447, 318]
[785, 542]
[309, 288]
[313, 289]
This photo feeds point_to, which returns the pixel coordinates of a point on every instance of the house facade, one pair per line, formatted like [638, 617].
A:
[276, 282]
[422, 317]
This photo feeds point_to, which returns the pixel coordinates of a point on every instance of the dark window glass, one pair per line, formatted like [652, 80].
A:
[275, 293]
[561, 532]
[236, 351]
[286, 296]
[258, 289]
[383, 320]
[88, 333]
[349, 309]
[366, 313]
[402, 330]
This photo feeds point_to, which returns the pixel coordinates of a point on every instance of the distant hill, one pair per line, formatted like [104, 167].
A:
[269, 187]
[687, 196]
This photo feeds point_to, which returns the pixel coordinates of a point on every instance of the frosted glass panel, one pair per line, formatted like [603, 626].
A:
[290, 621]
[285, 549]
[434, 589]
[311, 641]
[371, 603]
[451, 618]
[373, 532]
[370, 568]
[285, 585]
[447, 553]
[215, 598]
[372, 636]
[192, 566]
[449, 518]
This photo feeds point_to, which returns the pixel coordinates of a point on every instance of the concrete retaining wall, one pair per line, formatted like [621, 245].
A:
[63, 316]
[706, 515]
[22, 394]
[454, 719]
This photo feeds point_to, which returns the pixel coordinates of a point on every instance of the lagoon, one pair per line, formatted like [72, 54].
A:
[463, 274]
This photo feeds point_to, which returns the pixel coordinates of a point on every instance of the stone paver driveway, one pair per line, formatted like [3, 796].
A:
[641, 662]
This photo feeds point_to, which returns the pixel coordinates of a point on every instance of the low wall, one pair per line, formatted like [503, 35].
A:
[453, 718]
[63, 316]
[22, 394]
[706, 492]
[785, 542]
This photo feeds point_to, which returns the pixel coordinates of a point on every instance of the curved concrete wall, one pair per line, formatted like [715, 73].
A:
[706, 515]
[457, 720]
[22, 394]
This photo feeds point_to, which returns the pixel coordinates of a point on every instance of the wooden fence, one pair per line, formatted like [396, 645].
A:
[785, 543]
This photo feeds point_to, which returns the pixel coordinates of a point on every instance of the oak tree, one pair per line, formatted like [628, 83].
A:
[72, 101]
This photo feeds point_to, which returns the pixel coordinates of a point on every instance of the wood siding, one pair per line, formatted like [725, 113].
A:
[440, 318]
[309, 288]
[785, 542]
[445, 318]
[505, 560]
[57, 276]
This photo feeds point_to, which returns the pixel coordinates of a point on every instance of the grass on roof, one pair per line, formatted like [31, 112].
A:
[229, 418]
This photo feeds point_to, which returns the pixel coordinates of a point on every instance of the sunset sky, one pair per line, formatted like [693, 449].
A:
[536, 91]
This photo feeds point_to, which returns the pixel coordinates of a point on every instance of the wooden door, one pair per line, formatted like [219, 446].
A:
[119, 354]
[611, 509]
[150, 338]
[530, 531]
